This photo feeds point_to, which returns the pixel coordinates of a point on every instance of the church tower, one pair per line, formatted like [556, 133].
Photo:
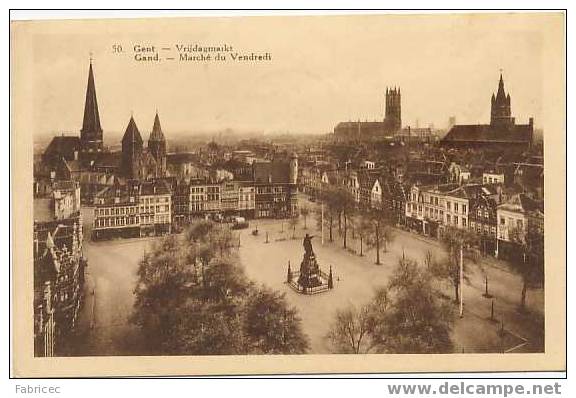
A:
[132, 148]
[501, 113]
[91, 133]
[157, 146]
[393, 112]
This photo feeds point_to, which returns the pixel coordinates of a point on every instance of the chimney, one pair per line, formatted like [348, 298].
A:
[75, 155]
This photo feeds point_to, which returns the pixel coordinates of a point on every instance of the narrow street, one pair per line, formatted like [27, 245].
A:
[104, 326]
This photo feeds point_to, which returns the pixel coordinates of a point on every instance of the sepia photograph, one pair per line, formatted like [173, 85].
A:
[289, 194]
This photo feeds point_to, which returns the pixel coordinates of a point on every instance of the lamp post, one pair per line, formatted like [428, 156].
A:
[461, 281]
[322, 223]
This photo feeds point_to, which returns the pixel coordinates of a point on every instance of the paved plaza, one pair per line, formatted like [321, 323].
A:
[104, 326]
[356, 278]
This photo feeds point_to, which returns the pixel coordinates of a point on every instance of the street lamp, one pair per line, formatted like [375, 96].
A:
[461, 281]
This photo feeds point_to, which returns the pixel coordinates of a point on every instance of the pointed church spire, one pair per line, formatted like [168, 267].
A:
[157, 146]
[501, 94]
[157, 134]
[501, 113]
[91, 129]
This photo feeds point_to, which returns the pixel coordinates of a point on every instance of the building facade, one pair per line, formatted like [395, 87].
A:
[58, 268]
[134, 209]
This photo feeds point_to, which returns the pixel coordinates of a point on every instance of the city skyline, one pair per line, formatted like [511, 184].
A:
[304, 94]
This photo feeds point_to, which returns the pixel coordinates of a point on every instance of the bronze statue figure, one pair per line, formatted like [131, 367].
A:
[308, 245]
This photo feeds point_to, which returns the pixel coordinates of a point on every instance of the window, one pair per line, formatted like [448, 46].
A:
[455, 207]
[448, 219]
[463, 209]
[502, 221]
[519, 224]
[455, 220]
[463, 222]
[449, 206]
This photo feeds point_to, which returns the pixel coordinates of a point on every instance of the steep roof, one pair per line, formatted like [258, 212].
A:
[158, 187]
[522, 203]
[62, 146]
[108, 160]
[367, 180]
[519, 133]
[274, 172]
[180, 157]
[91, 121]
[132, 135]
[157, 134]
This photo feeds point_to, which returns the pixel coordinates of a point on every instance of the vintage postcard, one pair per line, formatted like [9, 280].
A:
[289, 194]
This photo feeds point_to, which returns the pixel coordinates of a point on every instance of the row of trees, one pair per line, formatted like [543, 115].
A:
[372, 227]
[528, 261]
[406, 316]
[193, 298]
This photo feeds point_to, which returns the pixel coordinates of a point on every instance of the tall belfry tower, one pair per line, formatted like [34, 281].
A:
[132, 148]
[393, 112]
[91, 133]
[501, 112]
[157, 146]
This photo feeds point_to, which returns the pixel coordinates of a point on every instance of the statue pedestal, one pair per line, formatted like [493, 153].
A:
[310, 279]
[309, 272]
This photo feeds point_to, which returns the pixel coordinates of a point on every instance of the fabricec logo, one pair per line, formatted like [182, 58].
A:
[37, 389]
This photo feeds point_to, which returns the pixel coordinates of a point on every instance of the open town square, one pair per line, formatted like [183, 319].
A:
[363, 223]
[104, 326]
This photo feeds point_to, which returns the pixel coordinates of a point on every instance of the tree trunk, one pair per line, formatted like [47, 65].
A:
[331, 225]
[523, 297]
[456, 292]
[377, 245]
[361, 252]
[345, 230]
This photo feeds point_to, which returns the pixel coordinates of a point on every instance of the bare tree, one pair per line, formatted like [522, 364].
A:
[350, 330]
[528, 261]
[305, 212]
[455, 240]
[363, 228]
[380, 233]
[344, 203]
[415, 320]
[293, 222]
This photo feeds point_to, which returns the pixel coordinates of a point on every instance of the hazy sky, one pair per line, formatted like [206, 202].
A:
[323, 70]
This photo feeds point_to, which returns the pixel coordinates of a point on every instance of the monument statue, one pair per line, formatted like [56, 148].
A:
[309, 270]
[308, 245]
[310, 279]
